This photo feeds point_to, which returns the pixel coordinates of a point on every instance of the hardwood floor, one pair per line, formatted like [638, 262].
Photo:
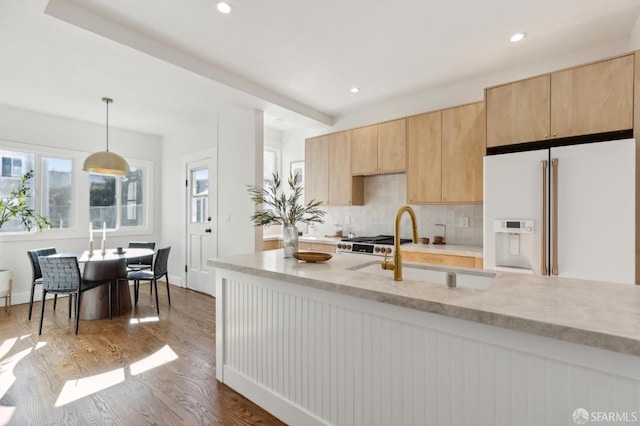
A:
[130, 370]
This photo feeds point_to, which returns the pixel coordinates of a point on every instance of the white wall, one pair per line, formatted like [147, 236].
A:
[634, 40]
[240, 157]
[181, 142]
[236, 135]
[29, 130]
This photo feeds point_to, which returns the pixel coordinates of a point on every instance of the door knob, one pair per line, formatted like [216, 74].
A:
[208, 230]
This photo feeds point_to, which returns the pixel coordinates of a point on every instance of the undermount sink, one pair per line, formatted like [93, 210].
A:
[479, 280]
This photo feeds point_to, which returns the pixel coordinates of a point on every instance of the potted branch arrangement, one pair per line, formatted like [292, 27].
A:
[16, 205]
[274, 207]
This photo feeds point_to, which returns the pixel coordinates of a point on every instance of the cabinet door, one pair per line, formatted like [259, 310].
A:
[518, 112]
[343, 188]
[364, 150]
[424, 158]
[316, 156]
[392, 146]
[463, 147]
[593, 98]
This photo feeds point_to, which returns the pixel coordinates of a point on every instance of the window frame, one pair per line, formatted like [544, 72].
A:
[79, 227]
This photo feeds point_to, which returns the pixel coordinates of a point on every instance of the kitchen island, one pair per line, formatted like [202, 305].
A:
[322, 343]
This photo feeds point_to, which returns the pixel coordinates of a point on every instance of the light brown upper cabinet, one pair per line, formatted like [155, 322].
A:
[463, 149]
[316, 163]
[636, 127]
[518, 112]
[392, 146]
[344, 189]
[424, 159]
[364, 150]
[379, 148]
[444, 155]
[593, 98]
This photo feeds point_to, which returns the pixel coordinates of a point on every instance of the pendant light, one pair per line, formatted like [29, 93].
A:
[106, 162]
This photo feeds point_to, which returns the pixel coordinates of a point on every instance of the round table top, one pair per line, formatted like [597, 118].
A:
[110, 254]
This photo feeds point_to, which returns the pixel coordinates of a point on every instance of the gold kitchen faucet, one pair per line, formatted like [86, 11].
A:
[396, 265]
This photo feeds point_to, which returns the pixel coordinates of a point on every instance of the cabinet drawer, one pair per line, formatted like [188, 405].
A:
[442, 259]
[326, 248]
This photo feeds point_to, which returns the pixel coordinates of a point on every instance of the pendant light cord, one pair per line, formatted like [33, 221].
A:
[107, 101]
[107, 126]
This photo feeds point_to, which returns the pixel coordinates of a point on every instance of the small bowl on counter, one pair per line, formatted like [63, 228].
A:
[424, 240]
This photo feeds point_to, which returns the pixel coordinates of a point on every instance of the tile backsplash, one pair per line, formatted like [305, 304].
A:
[384, 195]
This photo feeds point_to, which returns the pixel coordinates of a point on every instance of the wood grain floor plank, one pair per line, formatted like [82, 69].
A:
[93, 378]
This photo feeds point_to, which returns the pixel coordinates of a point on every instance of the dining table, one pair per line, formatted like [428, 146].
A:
[95, 302]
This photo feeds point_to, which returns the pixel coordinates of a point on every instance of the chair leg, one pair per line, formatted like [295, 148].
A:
[155, 284]
[118, 295]
[110, 308]
[136, 289]
[44, 297]
[55, 301]
[166, 277]
[78, 309]
[33, 289]
[70, 300]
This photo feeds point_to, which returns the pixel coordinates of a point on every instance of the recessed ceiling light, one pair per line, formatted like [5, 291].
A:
[517, 37]
[224, 7]
[354, 89]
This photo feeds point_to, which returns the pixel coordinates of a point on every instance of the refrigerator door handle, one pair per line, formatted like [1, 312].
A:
[554, 217]
[544, 270]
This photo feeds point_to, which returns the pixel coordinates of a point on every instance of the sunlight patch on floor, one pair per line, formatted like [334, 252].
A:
[5, 414]
[6, 346]
[143, 320]
[76, 389]
[163, 356]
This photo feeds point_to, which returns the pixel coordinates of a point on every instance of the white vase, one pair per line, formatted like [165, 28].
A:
[289, 240]
[5, 287]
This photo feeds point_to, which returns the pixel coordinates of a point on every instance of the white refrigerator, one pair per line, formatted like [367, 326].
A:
[580, 200]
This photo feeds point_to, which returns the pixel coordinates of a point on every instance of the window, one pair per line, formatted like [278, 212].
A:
[13, 163]
[12, 167]
[102, 201]
[57, 191]
[131, 199]
[199, 195]
[110, 195]
[271, 163]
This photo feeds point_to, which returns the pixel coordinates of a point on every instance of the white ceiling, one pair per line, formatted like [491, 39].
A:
[169, 61]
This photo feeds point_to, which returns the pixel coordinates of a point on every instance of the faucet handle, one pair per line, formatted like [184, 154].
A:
[389, 266]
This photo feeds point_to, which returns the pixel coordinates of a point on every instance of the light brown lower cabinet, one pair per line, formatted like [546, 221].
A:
[325, 248]
[442, 259]
[271, 245]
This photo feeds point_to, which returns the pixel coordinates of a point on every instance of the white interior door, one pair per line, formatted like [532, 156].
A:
[201, 223]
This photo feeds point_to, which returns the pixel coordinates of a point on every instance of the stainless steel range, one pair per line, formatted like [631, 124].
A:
[378, 246]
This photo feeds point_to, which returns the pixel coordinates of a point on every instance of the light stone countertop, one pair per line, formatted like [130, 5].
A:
[603, 315]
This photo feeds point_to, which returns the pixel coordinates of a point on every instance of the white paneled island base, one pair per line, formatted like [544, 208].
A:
[312, 356]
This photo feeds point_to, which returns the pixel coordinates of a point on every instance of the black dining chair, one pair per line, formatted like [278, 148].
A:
[61, 275]
[142, 262]
[36, 273]
[159, 270]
